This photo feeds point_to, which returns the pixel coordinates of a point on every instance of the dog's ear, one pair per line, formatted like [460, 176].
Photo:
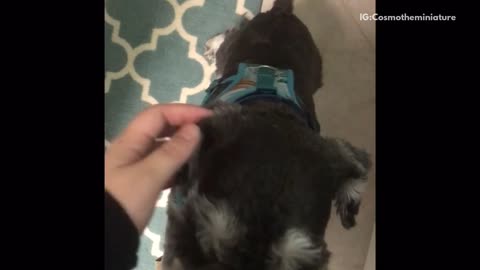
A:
[351, 166]
[316, 68]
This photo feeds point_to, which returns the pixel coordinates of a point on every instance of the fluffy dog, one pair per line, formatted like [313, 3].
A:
[259, 190]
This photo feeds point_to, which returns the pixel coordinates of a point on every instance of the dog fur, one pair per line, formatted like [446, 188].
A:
[259, 190]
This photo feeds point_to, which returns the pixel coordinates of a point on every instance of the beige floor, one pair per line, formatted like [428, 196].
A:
[346, 108]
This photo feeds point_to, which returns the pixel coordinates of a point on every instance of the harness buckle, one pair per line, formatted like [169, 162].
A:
[266, 80]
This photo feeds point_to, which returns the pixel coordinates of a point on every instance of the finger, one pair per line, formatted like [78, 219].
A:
[162, 164]
[138, 138]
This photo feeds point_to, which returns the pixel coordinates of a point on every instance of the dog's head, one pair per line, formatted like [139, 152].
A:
[276, 38]
[258, 195]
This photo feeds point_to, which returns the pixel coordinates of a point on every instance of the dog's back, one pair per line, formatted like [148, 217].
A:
[258, 194]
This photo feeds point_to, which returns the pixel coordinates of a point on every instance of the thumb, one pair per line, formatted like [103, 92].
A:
[167, 159]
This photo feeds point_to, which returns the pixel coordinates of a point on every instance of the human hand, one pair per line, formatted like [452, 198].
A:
[137, 168]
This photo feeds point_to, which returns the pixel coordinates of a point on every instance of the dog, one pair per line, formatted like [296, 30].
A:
[258, 192]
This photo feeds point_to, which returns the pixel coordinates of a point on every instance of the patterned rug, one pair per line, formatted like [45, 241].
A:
[154, 54]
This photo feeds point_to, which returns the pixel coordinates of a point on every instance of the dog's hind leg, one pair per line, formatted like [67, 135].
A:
[351, 167]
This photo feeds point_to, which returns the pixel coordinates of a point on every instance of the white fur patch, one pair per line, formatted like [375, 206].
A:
[218, 228]
[295, 248]
[211, 47]
[353, 189]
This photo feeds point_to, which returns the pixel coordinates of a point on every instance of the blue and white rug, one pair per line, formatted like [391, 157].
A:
[154, 54]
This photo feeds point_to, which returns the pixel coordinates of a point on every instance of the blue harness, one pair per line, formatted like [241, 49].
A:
[258, 82]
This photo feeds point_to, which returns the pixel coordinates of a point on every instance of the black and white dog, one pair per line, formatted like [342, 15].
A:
[259, 190]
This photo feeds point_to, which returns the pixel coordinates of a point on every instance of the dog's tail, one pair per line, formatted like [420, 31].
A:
[283, 6]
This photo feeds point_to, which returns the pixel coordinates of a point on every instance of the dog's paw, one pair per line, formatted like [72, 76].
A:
[212, 45]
